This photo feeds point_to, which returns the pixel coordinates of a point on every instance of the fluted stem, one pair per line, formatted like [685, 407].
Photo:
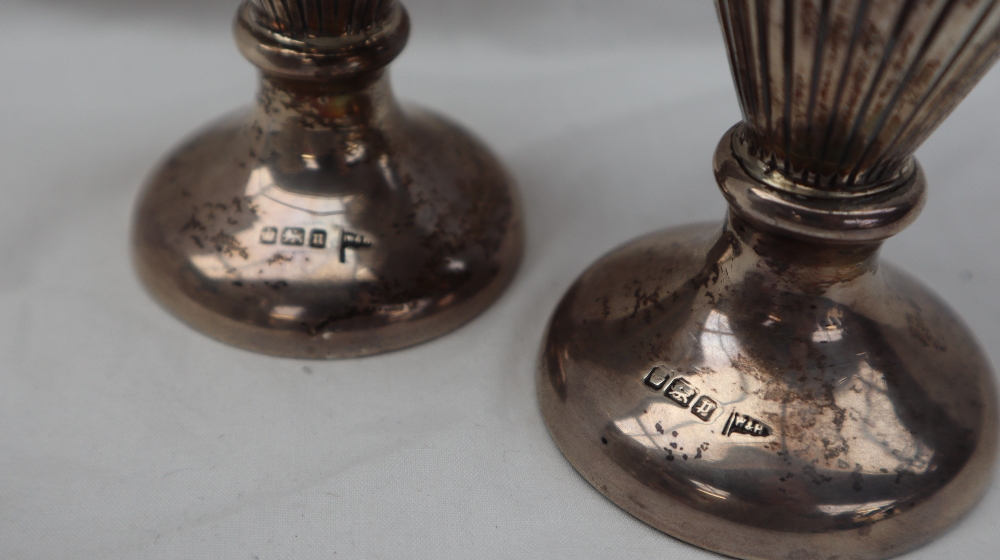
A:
[322, 18]
[838, 94]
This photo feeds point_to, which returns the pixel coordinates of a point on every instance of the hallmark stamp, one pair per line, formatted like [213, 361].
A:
[317, 239]
[350, 240]
[681, 392]
[742, 424]
[293, 236]
[705, 408]
[657, 378]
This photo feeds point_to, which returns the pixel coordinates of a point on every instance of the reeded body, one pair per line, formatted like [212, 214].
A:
[769, 389]
[326, 221]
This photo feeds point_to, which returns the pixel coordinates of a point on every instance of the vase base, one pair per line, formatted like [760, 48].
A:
[751, 409]
[256, 242]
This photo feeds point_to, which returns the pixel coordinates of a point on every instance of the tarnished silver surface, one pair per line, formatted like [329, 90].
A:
[327, 221]
[770, 389]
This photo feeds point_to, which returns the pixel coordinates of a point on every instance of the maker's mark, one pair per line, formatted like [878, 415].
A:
[743, 424]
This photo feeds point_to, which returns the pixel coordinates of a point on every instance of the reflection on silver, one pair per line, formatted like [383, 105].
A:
[262, 184]
[287, 312]
[721, 348]
[855, 510]
[710, 491]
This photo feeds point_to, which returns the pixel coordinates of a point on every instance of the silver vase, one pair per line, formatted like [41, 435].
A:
[327, 221]
[770, 388]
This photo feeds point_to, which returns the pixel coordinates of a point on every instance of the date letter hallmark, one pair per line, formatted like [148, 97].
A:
[705, 408]
[742, 424]
[317, 239]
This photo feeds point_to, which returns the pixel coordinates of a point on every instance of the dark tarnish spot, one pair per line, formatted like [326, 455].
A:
[920, 331]
[831, 450]
[900, 475]
[193, 223]
[343, 315]
[605, 302]
[643, 300]
[839, 415]
[813, 474]
[278, 258]
[858, 480]
[229, 245]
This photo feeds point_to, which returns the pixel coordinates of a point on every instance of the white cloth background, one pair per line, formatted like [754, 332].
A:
[125, 434]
